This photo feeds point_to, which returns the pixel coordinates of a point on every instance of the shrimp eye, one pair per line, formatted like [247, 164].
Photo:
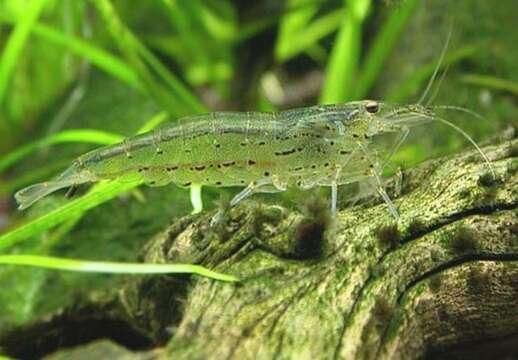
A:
[372, 107]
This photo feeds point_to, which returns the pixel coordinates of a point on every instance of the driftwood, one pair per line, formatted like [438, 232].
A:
[440, 283]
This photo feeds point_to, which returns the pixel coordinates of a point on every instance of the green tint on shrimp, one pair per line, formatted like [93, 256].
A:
[265, 152]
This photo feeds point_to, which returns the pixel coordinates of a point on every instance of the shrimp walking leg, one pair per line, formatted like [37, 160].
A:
[397, 144]
[264, 185]
[376, 171]
[334, 191]
[381, 190]
[334, 198]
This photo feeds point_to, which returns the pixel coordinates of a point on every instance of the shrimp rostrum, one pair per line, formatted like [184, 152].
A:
[264, 152]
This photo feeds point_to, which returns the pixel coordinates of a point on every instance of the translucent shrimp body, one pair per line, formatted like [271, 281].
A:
[265, 151]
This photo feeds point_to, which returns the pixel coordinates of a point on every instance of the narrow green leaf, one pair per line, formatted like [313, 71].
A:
[153, 122]
[383, 45]
[190, 37]
[491, 82]
[164, 86]
[410, 86]
[68, 136]
[218, 18]
[254, 27]
[16, 42]
[97, 56]
[293, 43]
[56, 263]
[343, 62]
[99, 194]
[291, 26]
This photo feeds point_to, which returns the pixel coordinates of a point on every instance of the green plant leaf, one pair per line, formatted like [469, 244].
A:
[16, 42]
[97, 56]
[164, 86]
[343, 62]
[411, 85]
[491, 82]
[56, 263]
[382, 46]
[68, 136]
[99, 194]
[297, 33]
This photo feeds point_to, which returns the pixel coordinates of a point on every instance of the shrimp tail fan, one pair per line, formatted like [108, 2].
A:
[69, 178]
[29, 195]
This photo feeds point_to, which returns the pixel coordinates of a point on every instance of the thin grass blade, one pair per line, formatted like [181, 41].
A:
[383, 45]
[343, 62]
[90, 136]
[16, 42]
[97, 56]
[164, 86]
[410, 86]
[491, 82]
[64, 264]
[98, 195]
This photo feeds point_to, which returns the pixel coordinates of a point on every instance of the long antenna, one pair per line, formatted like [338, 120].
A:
[439, 63]
[461, 109]
[436, 90]
[466, 135]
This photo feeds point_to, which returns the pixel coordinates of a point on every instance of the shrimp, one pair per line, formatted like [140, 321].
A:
[324, 145]
[266, 152]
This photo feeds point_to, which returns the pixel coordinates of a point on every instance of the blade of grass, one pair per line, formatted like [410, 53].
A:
[291, 26]
[190, 37]
[165, 87]
[99, 194]
[491, 82]
[68, 136]
[293, 43]
[317, 30]
[97, 56]
[55, 263]
[153, 122]
[204, 37]
[16, 42]
[254, 27]
[383, 45]
[343, 62]
[218, 19]
[410, 86]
